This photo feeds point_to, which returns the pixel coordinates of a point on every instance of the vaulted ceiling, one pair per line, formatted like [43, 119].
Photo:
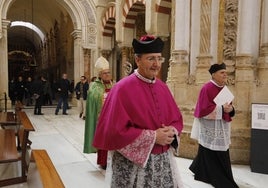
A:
[41, 13]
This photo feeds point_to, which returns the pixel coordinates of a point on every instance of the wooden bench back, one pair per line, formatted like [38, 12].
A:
[48, 173]
[25, 121]
[8, 149]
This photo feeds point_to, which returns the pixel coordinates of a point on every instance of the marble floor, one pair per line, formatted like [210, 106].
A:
[62, 137]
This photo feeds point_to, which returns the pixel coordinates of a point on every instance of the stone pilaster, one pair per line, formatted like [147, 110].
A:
[263, 66]
[78, 65]
[78, 55]
[204, 60]
[244, 81]
[4, 60]
[87, 60]
[205, 27]
[178, 75]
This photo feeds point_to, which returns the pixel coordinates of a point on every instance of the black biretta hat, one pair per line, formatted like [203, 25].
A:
[215, 67]
[147, 44]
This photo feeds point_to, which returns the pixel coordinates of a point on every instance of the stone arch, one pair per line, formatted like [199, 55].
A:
[108, 27]
[163, 16]
[83, 17]
[130, 10]
[108, 21]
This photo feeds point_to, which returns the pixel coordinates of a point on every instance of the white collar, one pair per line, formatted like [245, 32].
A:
[143, 78]
[215, 83]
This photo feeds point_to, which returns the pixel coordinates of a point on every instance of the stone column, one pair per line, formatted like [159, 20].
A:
[205, 58]
[78, 55]
[87, 60]
[179, 62]
[4, 61]
[244, 74]
[78, 58]
[263, 59]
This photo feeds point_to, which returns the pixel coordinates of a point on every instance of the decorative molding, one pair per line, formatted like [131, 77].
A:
[179, 56]
[190, 80]
[88, 10]
[244, 61]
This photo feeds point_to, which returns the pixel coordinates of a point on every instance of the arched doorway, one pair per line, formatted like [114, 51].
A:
[65, 27]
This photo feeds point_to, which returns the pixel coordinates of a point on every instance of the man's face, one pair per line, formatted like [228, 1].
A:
[83, 80]
[149, 64]
[105, 75]
[64, 76]
[220, 77]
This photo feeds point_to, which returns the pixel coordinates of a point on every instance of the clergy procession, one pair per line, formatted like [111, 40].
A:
[134, 93]
[134, 125]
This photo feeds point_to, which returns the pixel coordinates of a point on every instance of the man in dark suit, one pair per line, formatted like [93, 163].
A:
[37, 90]
[63, 89]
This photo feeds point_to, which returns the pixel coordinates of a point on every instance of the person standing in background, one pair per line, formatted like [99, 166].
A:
[212, 130]
[28, 91]
[20, 89]
[12, 90]
[37, 89]
[47, 91]
[140, 124]
[81, 90]
[97, 94]
[63, 88]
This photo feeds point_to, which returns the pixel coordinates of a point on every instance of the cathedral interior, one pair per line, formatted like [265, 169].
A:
[67, 36]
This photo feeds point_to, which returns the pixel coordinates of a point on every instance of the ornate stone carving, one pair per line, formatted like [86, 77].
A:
[230, 33]
[92, 30]
[88, 10]
[127, 68]
[127, 60]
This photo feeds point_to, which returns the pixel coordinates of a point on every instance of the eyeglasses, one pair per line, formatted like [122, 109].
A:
[153, 59]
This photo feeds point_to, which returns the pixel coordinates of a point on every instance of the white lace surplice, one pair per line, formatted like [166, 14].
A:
[212, 131]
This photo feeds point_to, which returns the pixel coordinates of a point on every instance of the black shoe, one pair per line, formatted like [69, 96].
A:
[84, 118]
[40, 114]
[56, 113]
[80, 115]
[103, 167]
[64, 114]
[35, 113]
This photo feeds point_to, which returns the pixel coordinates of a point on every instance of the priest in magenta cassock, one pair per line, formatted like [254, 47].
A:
[140, 124]
[97, 94]
[212, 130]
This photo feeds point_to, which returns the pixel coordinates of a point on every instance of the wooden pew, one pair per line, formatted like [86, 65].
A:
[21, 151]
[10, 154]
[8, 150]
[18, 106]
[48, 173]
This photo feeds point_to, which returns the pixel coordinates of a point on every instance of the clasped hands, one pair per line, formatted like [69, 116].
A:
[165, 135]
